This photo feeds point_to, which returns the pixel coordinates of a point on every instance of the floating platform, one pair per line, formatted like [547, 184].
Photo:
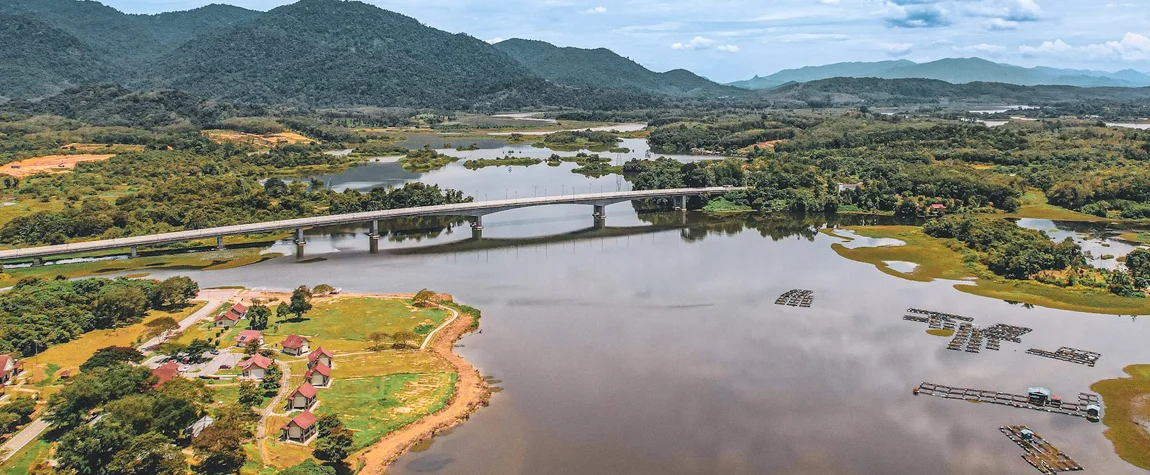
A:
[1040, 454]
[1069, 355]
[1087, 407]
[796, 298]
[968, 336]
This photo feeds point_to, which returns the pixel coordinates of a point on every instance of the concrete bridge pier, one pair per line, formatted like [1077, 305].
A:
[477, 223]
[682, 203]
[600, 212]
[220, 243]
[37, 262]
[373, 236]
[135, 253]
[299, 243]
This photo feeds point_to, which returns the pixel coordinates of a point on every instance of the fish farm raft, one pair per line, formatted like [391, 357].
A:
[1088, 405]
[967, 336]
[796, 298]
[1070, 355]
[1039, 453]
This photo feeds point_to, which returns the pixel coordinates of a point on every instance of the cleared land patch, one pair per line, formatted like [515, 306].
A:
[51, 164]
[268, 140]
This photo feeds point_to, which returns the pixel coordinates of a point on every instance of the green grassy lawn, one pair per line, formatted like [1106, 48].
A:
[374, 407]
[948, 259]
[1124, 414]
[354, 318]
[723, 206]
[33, 453]
[1034, 205]
[71, 355]
[213, 260]
[1137, 238]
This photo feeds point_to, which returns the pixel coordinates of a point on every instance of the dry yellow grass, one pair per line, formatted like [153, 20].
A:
[99, 147]
[50, 164]
[222, 136]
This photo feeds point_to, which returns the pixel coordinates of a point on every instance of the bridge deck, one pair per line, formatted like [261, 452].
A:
[462, 209]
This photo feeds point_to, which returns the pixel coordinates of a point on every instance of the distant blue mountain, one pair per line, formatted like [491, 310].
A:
[953, 70]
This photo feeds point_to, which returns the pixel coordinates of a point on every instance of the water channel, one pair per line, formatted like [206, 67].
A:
[652, 345]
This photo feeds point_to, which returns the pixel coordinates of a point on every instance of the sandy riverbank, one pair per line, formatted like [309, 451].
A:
[471, 393]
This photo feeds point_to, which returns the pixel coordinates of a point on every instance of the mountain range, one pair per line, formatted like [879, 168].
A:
[955, 71]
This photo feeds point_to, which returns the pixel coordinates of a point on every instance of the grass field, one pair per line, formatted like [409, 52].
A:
[940, 332]
[211, 260]
[1034, 205]
[723, 206]
[69, 356]
[1127, 408]
[947, 259]
[354, 318]
[22, 462]
[1138, 238]
[373, 407]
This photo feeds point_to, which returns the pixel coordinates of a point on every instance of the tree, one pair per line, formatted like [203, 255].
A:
[300, 301]
[1120, 283]
[1138, 261]
[377, 339]
[86, 392]
[334, 441]
[258, 317]
[218, 448]
[110, 356]
[119, 304]
[160, 326]
[322, 289]
[250, 394]
[148, 454]
[189, 389]
[175, 292]
[424, 298]
[402, 338]
[283, 310]
[271, 382]
[87, 449]
[172, 414]
[252, 347]
[196, 348]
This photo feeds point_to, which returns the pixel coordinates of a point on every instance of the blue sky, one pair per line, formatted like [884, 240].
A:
[729, 40]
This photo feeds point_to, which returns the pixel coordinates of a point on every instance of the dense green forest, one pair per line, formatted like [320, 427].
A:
[36, 314]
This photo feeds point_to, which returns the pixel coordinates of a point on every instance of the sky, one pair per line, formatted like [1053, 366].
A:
[729, 40]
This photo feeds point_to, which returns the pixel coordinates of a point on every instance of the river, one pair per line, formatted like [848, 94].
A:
[653, 346]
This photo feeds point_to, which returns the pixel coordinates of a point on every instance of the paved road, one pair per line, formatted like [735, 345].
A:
[461, 209]
[23, 438]
[270, 410]
[214, 298]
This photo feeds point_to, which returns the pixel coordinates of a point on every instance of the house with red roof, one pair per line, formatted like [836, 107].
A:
[166, 372]
[9, 368]
[248, 336]
[301, 428]
[232, 316]
[320, 355]
[319, 375]
[256, 367]
[302, 399]
[296, 345]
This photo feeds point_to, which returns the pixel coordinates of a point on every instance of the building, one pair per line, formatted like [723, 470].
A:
[166, 372]
[937, 209]
[248, 336]
[1038, 396]
[256, 367]
[199, 426]
[9, 368]
[296, 345]
[232, 316]
[319, 375]
[302, 399]
[320, 355]
[849, 186]
[301, 428]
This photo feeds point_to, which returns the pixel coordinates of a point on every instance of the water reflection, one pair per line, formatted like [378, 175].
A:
[1097, 239]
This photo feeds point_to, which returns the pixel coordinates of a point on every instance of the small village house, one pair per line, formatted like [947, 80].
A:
[301, 428]
[255, 367]
[849, 186]
[9, 368]
[937, 209]
[232, 316]
[247, 336]
[199, 426]
[302, 399]
[166, 372]
[296, 345]
[320, 355]
[319, 375]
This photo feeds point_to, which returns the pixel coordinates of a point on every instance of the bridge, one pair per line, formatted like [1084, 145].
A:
[474, 210]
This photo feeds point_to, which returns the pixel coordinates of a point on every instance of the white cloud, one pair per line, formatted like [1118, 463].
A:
[594, 11]
[697, 42]
[897, 49]
[811, 37]
[829, 2]
[1132, 47]
[998, 24]
[981, 48]
[728, 48]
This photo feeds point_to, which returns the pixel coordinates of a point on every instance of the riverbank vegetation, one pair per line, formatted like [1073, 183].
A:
[596, 141]
[1127, 414]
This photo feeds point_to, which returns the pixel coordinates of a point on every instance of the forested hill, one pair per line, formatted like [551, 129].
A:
[40, 59]
[604, 68]
[121, 37]
[850, 92]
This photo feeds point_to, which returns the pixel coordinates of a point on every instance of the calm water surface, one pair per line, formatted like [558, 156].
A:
[652, 345]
